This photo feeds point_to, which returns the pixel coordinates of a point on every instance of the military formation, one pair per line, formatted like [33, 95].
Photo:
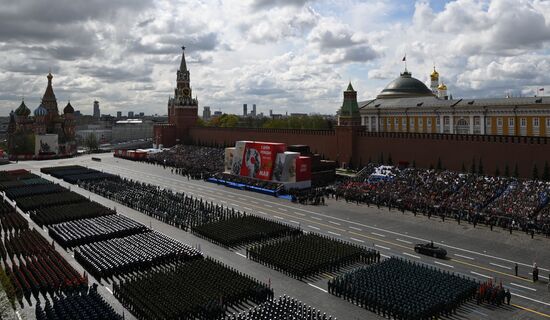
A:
[305, 255]
[134, 253]
[87, 304]
[282, 308]
[174, 208]
[202, 289]
[84, 231]
[243, 230]
[404, 290]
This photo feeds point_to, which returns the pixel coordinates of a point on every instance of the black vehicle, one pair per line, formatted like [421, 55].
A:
[430, 250]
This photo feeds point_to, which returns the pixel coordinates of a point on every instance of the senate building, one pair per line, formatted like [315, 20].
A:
[408, 105]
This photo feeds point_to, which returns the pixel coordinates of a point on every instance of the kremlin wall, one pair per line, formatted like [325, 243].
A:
[407, 121]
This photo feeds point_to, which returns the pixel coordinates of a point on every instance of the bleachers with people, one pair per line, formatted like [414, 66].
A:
[402, 289]
[492, 200]
[306, 255]
[202, 289]
[247, 181]
[282, 308]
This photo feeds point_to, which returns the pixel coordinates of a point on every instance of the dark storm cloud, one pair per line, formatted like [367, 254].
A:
[118, 74]
[360, 54]
[262, 4]
[168, 44]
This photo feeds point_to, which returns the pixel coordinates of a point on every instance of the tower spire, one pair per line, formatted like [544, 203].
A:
[183, 65]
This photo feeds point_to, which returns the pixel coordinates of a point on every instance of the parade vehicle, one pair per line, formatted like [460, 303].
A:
[430, 250]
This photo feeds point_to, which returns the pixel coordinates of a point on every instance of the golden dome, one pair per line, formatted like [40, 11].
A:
[435, 74]
[442, 87]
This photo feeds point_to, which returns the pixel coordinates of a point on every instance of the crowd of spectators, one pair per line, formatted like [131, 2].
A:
[192, 161]
[512, 203]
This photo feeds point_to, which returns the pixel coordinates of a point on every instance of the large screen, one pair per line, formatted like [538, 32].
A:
[258, 159]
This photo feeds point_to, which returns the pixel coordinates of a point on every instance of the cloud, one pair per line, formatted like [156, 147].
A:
[280, 54]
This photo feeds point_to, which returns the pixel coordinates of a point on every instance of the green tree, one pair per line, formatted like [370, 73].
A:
[535, 172]
[516, 171]
[546, 172]
[91, 142]
[506, 170]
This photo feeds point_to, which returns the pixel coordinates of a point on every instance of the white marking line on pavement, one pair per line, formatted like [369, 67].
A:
[296, 222]
[262, 213]
[107, 288]
[481, 275]
[378, 234]
[404, 241]
[235, 205]
[383, 255]
[465, 257]
[334, 233]
[268, 206]
[312, 227]
[254, 202]
[360, 241]
[282, 209]
[223, 201]
[530, 273]
[411, 255]
[300, 214]
[524, 287]
[480, 313]
[247, 208]
[444, 264]
[230, 196]
[354, 228]
[500, 266]
[240, 254]
[317, 218]
[336, 223]
[319, 288]
[534, 300]
[379, 246]
[280, 218]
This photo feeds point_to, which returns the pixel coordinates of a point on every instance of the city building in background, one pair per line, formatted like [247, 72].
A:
[206, 113]
[408, 105]
[119, 114]
[245, 109]
[130, 114]
[253, 113]
[97, 112]
[43, 134]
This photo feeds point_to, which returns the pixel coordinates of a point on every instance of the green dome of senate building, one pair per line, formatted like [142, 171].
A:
[405, 87]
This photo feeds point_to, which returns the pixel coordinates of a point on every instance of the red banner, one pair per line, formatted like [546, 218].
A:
[303, 169]
[259, 159]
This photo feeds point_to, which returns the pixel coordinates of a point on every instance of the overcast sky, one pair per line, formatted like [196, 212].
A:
[285, 55]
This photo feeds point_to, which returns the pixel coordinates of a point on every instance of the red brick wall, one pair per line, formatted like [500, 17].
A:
[344, 143]
[164, 134]
[320, 141]
[454, 150]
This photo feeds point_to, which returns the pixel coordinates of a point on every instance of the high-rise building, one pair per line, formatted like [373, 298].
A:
[97, 113]
[253, 110]
[206, 113]
[119, 114]
[130, 114]
[245, 110]
[142, 114]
